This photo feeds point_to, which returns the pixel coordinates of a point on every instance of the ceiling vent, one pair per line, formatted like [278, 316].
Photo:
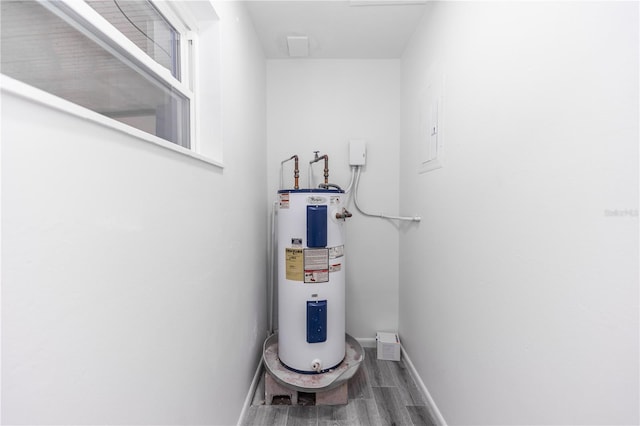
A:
[298, 46]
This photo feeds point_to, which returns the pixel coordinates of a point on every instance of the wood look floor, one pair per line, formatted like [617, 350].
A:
[381, 393]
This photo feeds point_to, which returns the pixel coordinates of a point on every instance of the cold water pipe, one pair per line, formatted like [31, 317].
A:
[296, 172]
[326, 166]
[270, 283]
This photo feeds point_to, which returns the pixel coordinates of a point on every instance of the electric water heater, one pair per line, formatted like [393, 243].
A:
[311, 279]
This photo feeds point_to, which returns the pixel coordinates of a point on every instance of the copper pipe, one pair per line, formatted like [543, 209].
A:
[326, 169]
[296, 172]
[326, 165]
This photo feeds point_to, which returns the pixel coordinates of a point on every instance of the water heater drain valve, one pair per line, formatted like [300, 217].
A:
[316, 365]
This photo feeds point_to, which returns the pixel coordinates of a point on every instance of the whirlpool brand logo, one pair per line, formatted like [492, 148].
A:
[316, 200]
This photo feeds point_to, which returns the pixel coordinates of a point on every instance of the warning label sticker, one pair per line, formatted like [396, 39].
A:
[294, 264]
[316, 265]
[335, 267]
[284, 200]
[335, 252]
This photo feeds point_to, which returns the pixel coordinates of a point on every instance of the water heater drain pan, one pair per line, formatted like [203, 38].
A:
[354, 355]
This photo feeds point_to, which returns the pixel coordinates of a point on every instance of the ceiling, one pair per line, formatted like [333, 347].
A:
[356, 29]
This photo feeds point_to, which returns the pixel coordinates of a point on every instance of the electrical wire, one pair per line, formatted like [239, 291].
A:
[353, 177]
[380, 215]
[348, 190]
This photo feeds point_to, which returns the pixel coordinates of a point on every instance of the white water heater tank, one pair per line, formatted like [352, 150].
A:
[311, 279]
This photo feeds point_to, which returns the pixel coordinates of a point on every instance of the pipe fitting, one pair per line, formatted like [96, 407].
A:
[344, 214]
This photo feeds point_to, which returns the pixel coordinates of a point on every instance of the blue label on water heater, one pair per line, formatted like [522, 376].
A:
[316, 226]
[317, 321]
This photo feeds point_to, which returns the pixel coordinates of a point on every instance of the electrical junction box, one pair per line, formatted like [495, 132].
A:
[357, 152]
[388, 346]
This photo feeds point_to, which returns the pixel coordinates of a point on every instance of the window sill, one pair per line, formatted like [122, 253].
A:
[33, 94]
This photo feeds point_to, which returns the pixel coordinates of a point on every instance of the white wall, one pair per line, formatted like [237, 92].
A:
[133, 277]
[519, 292]
[321, 105]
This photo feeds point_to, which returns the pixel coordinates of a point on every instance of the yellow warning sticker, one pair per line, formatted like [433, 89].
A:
[294, 264]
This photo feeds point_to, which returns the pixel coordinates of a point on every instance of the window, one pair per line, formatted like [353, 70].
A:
[145, 26]
[73, 51]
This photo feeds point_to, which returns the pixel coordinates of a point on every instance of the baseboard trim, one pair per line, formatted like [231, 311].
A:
[252, 391]
[431, 404]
